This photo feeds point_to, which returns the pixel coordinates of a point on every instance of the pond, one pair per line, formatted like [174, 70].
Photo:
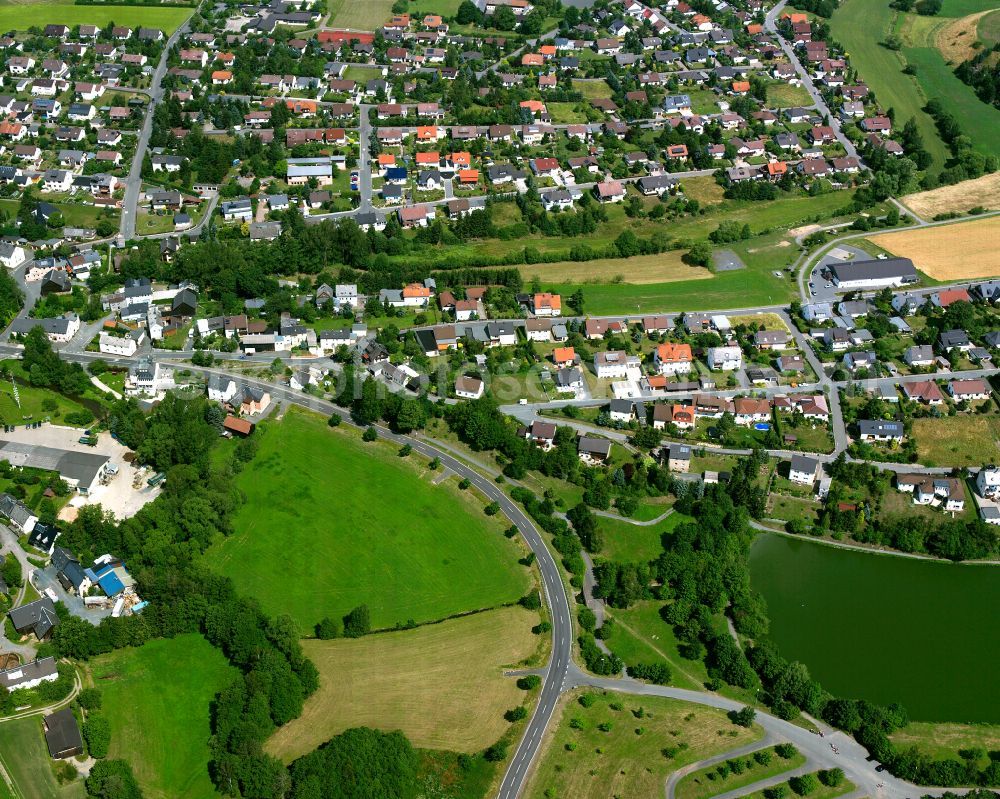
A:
[886, 628]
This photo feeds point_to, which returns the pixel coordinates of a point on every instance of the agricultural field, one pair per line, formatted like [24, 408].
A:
[352, 523]
[962, 440]
[859, 25]
[981, 192]
[25, 758]
[158, 698]
[961, 251]
[441, 684]
[629, 756]
[988, 29]
[418, 9]
[363, 16]
[23, 16]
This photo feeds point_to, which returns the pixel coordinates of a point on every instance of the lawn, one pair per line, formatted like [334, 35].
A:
[988, 29]
[21, 17]
[784, 95]
[565, 113]
[631, 757]
[707, 782]
[146, 224]
[75, 214]
[945, 739]
[362, 74]
[25, 757]
[859, 25]
[640, 635]
[632, 542]
[158, 699]
[36, 403]
[441, 684]
[822, 792]
[345, 523]
[961, 8]
[962, 440]
[592, 89]
[364, 16]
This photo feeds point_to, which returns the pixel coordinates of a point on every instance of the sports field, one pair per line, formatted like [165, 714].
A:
[26, 759]
[158, 698]
[441, 684]
[331, 523]
[859, 25]
[981, 192]
[360, 15]
[24, 16]
[630, 757]
[949, 252]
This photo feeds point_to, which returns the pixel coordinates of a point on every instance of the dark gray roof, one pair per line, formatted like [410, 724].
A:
[62, 733]
[14, 677]
[875, 270]
[38, 617]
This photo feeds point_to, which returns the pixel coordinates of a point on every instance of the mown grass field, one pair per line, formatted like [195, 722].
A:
[635, 543]
[950, 252]
[445, 8]
[962, 440]
[640, 635]
[707, 782]
[989, 28]
[859, 25]
[441, 684]
[366, 15]
[784, 95]
[158, 698]
[588, 763]
[977, 119]
[331, 523]
[592, 89]
[32, 401]
[961, 8]
[945, 740]
[822, 792]
[640, 270]
[26, 759]
[24, 16]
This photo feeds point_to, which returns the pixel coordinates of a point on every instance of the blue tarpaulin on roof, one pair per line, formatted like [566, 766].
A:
[110, 584]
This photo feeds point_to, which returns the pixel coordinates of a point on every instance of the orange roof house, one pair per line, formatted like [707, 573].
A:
[428, 159]
[547, 50]
[432, 21]
[427, 133]
[793, 18]
[741, 86]
[415, 290]
[534, 106]
[463, 158]
[674, 353]
[386, 159]
[301, 106]
[564, 355]
[222, 76]
[776, 168]
[754, 28]
[468, 177]
[532, 60]
[547, 302]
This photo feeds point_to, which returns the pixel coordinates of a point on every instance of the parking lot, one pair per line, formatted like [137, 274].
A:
[117, 495]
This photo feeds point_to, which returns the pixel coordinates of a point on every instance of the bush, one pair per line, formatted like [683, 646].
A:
[587, 619]
[786, 751]
[516, 714]
[831, 777]
[327, 629]
[334, 420]
[81, 418]
[89, 699]
[804, 785]
[658, 673]
[97, 734]
[370, 434]
[358, 622]
[530, 601]
[496, 753]
[405, 450]
[492, 509]
[777, 792]
[587, 700]
[744, 717]
[529, 682]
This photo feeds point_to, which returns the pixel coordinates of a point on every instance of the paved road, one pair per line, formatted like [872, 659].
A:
[806, 78]
[133, 182]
